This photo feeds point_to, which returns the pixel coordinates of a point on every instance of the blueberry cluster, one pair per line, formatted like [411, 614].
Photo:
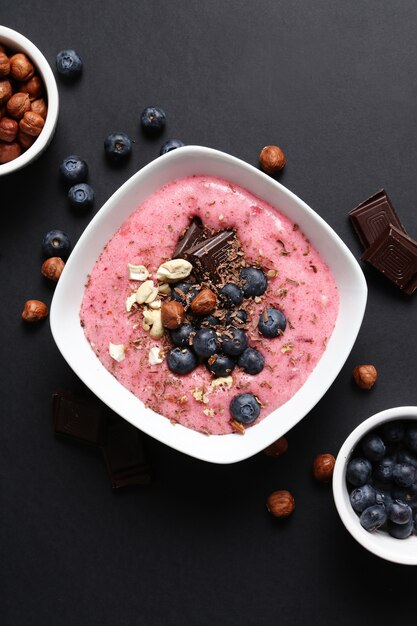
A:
[382, 479]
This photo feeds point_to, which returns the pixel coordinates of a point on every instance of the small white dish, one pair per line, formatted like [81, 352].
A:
[402, 551]
[16, 42]
[71, 341]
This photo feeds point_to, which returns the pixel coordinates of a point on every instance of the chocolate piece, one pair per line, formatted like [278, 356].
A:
[208, 257]
[395, 255]
[78, 418]
[125, 455]
[194, 234]
[373, 216]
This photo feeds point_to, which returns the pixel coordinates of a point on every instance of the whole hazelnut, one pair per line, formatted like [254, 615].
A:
[173, 314]
[272, 159]
[323, 467]
[4, 65]
[20, 67]
[33, 87]
[8, 129]
[34, 311]
[6, 90]
[31, 123]
[280, 503]
[52, 268]
[9, 151]
[39, 107]
[18, 104]
[25, 140]
[205, 302]
[279, 447]
[365, 376]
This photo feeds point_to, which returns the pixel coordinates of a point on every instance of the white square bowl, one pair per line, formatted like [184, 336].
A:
[71, 341]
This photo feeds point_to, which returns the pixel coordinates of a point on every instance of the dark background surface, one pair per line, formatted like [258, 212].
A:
[334, 84]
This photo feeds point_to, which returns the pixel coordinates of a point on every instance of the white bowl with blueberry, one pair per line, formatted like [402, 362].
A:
[375, 484]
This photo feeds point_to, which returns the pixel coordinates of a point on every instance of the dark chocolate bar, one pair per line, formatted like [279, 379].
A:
[373, 216]
[395, 255]
[78, 418]
[208, 257]
[194, 234]
[125, 455]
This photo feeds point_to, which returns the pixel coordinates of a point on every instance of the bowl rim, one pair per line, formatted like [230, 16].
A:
[223, 451]
[370, 541]
[14, 39]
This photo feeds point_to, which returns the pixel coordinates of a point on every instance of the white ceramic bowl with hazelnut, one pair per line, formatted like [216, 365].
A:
[17, 43]
[70, 338]
[379, 542]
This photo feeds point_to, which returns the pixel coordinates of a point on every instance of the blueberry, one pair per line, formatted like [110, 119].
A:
[73, 169]
[69, 64]
[245, 408]
[393, 432]
[181, 336]
[410, 438]
[383, 497]
[253, 281]
[400, 531]
[231, 295]
[373, 447]
[415, 524]
[272, 323]
[358, 471]
[251, 361]
[56, 243]
[383, 470]
[209, 320]
[399, 512]
[373, 517]
[181, 360]
[117, 147]
[362, 497]
[205, 342]
[404, 456]
[223, 365]
[81, 196]
[234, 341]
[169, 145]
[153, 120]
[403, 474]
[184, 293]
[236, 318]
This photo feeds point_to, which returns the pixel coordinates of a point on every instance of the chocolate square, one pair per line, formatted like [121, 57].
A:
[210, 256]
[125, 456]
[78, 418]
[194, 234]
[373, 216]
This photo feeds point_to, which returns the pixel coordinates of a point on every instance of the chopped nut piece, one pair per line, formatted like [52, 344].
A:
[174, 271]
[165, 289]
[147, 292]
[222, 381]
[117, 351]
[200, 394]
[156, 304]
[271, 273]
[137, 272]
[209, 412]
[130, 301]
[155, 356]
[237, 427]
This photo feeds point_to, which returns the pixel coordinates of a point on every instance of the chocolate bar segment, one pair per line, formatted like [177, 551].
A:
[194, 234]
[373, 216]
[395, 255]
[124, 455]
[78, 418]
[211, 256]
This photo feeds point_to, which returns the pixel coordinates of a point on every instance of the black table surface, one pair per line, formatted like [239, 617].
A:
[334, 84]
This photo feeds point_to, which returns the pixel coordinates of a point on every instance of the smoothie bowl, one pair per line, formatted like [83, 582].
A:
[208, 305]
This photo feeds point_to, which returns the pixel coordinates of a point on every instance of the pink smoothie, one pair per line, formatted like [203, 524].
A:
[303, 289]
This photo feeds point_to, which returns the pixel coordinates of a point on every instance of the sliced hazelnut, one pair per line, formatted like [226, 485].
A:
[4, 65]
[280, 503]
[52, 268]
[31, 123]
[25, 140]
[278, 448]
[20, 67]
[34, 311]
[18, 104]
[6, 91]
[39, 107]
[323, 467]
[173, 314]
[9, 151]
[271, 159]
[8, 129]
[33, 87]
[205, 302]
[365, 376]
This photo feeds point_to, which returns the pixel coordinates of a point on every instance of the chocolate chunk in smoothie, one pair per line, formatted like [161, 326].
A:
[208, 257]
[195, 234]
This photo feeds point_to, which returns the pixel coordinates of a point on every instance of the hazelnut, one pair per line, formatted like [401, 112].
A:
[31, 123]
[173, 314]
[25, 140]
[280, 503]
[271, 159]
[39, 107]
[279, 447]
[204, 302]
[18, 104]
[4, 65]
[6, 90]
[8, 129]
[52, 268]
[20, 67]
[9, 151]
[365, 376]
[33, 87]
[34, 311]
[323, 467]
